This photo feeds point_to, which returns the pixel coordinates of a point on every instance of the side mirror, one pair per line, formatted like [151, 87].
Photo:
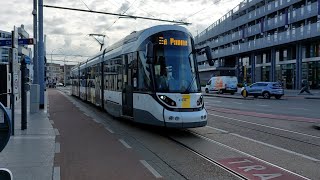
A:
[149, 48]
[209, 55]
[5, 174]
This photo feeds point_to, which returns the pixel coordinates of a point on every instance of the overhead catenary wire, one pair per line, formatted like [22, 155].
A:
[115, 14]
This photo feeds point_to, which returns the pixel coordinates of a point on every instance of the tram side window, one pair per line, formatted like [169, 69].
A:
[144, 82]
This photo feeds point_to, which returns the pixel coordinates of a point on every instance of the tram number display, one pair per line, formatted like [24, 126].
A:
[172, 42]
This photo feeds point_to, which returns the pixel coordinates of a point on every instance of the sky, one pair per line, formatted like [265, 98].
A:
[67, 32]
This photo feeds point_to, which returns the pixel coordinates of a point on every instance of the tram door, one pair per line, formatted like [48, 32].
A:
[127, 92]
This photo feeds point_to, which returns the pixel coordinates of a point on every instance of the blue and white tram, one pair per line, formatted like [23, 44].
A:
[150, 76]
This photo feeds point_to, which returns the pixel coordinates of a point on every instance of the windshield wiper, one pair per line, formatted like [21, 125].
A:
[190, 85]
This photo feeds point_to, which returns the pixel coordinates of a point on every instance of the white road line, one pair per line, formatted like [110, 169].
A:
[221, 130]
[279, 148]
[125, 144]
[299, 109]
[57, 148]
[215, 101]
[110, 130]
[266, 126]
[262, 105]
[57, 132]
[246, 154]
[237, 103]
[153, 171]
[56, 173]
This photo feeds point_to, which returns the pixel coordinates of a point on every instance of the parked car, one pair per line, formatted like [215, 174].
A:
[265, 89]
[222, 84]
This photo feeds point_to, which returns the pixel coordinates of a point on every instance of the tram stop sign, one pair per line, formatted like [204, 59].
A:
[5, 127]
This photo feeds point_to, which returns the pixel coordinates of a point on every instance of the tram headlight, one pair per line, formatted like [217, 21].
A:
[167, 100]
[200, 101]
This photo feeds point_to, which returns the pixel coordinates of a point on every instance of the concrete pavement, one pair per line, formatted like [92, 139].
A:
[30, 153]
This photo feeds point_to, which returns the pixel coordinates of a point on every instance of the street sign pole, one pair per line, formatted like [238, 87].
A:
[24, 78]
[13, 64]
[41, 54]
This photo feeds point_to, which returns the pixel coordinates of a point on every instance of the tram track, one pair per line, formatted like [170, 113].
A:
[217, 163]
[267, 127]
[262, 114]
[205, 157]
[184, 146]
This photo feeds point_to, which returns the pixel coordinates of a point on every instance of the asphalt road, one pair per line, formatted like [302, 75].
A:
[292, 106]
[275, 138]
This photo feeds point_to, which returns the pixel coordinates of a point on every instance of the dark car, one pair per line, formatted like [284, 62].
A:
[265, 89]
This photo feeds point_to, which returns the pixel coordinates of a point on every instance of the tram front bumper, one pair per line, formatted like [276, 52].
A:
[193, 119]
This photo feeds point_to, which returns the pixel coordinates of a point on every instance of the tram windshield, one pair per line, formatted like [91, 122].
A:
[174, 64]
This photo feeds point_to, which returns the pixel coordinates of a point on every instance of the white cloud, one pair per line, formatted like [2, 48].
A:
[69, 29]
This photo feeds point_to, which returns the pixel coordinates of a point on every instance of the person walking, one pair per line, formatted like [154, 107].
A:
[305, 87]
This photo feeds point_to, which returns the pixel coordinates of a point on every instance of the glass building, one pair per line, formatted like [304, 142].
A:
[265, 40]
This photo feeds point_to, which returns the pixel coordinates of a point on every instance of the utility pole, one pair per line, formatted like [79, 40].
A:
[41, 54]
[24, 80]
[35, 46]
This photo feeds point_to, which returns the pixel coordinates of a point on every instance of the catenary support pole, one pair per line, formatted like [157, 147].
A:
[41, 55]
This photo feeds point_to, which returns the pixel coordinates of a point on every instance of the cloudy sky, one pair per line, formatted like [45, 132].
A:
[67, 31]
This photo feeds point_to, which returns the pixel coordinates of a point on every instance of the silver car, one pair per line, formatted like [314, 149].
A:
[265, 89]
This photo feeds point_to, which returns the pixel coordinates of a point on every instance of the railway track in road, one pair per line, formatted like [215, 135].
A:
[263, 115]
[236, 173]
[263, 129]
[205, 157]
[190, 148]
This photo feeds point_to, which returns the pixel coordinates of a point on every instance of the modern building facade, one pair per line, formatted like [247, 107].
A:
[4, 50]
[54, 73]
[265, 40]
[5, 74]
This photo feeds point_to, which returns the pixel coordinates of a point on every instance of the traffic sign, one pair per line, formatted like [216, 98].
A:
[27, 59]
[8, 42]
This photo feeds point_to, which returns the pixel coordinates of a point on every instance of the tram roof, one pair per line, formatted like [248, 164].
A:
[132, 41]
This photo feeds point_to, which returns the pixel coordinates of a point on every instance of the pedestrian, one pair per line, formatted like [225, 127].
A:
[305, 87]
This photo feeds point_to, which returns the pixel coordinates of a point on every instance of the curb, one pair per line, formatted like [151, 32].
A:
[230, 97]
[312, 98]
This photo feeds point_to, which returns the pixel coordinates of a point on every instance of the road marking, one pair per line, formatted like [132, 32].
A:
[153, 171]
[262, 105]
[32, 137]
[125, 144]
[95, 120]
[57, 132]
[56, 173]
[221, 130]
[265, 126]
[246, 154]
[279, 148]
[110, 130]
[215, 101]
[57, 148]
[237, 103]
[299, 109]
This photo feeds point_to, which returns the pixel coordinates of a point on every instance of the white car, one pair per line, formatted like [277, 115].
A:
[222, 84]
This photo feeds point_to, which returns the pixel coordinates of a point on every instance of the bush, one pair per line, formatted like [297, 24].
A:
[239, 85]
